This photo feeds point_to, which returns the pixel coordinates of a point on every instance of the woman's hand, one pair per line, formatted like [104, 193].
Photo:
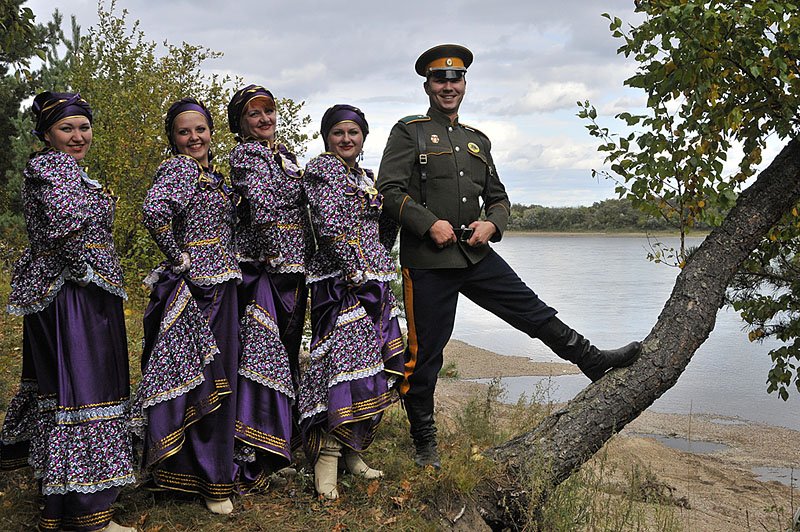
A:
[183, 264]
[357, 278]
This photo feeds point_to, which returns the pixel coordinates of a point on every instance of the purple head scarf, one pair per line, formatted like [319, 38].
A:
[182, 106]
[240, 100]
[341, 113]
[52, 107]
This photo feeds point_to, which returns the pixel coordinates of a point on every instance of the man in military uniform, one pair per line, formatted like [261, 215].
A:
[437, 177]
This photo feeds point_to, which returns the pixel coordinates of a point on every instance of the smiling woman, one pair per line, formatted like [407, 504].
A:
[71, 135]
[68, 418]
[184, 406]
[273, 241]
[258, 119]
[192, 136]
[356, 343]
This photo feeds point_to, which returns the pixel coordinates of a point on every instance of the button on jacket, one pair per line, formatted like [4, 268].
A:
[461, 180]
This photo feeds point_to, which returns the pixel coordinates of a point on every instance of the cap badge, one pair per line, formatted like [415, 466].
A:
[435, 139]
[449, 62]
[473, 147]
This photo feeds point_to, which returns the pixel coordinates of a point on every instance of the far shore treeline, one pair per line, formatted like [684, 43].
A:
[608, 216]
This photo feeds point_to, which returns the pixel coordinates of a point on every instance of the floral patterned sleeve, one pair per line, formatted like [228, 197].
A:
[65, 207]
[172, 190]
[325, 182]
[254, 174]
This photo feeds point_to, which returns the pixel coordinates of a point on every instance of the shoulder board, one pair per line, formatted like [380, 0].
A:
[475, 129]
[415, 118]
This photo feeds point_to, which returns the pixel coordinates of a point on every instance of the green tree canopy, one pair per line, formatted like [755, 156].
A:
[717, 75]
[20, 38]
[130, 83]
[19, 80]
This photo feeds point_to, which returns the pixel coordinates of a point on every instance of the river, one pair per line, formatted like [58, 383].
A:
[604, 287]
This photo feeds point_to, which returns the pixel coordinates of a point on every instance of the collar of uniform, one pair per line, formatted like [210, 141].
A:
[441, 118]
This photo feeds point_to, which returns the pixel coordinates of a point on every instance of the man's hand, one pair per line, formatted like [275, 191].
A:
[483, 231]
[441, 232]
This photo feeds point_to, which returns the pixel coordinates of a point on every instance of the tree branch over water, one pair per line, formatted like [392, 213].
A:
[569, 437]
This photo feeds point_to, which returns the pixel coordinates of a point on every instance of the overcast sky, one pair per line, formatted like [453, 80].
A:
[533, 61]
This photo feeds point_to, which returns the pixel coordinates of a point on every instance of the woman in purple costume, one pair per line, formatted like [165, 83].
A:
[274, 240]
[356, 343]
[185, 405]
[68, 419]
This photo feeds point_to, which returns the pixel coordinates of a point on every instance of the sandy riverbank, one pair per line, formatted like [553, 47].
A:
[721, 489]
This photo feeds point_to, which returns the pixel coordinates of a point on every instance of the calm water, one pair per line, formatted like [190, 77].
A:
[605, 288]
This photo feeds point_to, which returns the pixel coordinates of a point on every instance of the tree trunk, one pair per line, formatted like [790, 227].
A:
[569, 437]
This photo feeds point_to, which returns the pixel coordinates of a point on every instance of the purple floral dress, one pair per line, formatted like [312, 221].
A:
[68, 419]
[356, 340]
[184, 406]
[274, 241]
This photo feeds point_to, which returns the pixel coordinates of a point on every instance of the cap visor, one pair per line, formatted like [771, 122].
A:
[447, 74]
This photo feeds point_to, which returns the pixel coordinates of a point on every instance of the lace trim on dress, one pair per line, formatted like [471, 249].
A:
[264, 381]
[384, 277]
[91, 488]
[91, 276]
[84, 415]
[355, 375]
[317, 278]
[244, 453]
[153, 277]
[218, 279]
[289, 268]
[108, 287]
[314, 411]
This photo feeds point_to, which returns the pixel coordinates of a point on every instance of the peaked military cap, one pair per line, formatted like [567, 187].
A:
[446, 60]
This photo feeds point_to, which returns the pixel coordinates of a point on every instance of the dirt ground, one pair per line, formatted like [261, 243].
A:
[720, 486]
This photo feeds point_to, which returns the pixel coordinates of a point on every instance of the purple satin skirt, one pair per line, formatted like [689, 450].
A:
[272, 309]
[68, 420]
[356, 361]
[185, 404]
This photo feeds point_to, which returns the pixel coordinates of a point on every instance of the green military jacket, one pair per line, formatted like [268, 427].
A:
[460, 173]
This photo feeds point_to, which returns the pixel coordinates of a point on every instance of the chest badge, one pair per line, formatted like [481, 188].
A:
[435, 139]
[473, 147]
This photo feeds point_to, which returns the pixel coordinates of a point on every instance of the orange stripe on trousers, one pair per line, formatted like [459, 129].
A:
[408, 297]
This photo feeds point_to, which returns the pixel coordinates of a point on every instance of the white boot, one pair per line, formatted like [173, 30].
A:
[356, 465]
[219, 507]
[325, 469]
[116, 527]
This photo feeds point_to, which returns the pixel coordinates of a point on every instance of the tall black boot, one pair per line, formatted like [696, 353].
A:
[423, 430]
[593, 362]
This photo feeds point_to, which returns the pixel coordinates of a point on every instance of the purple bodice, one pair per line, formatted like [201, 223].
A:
[68, 217]
[273, 221]
[354, 238]
[190, 209]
